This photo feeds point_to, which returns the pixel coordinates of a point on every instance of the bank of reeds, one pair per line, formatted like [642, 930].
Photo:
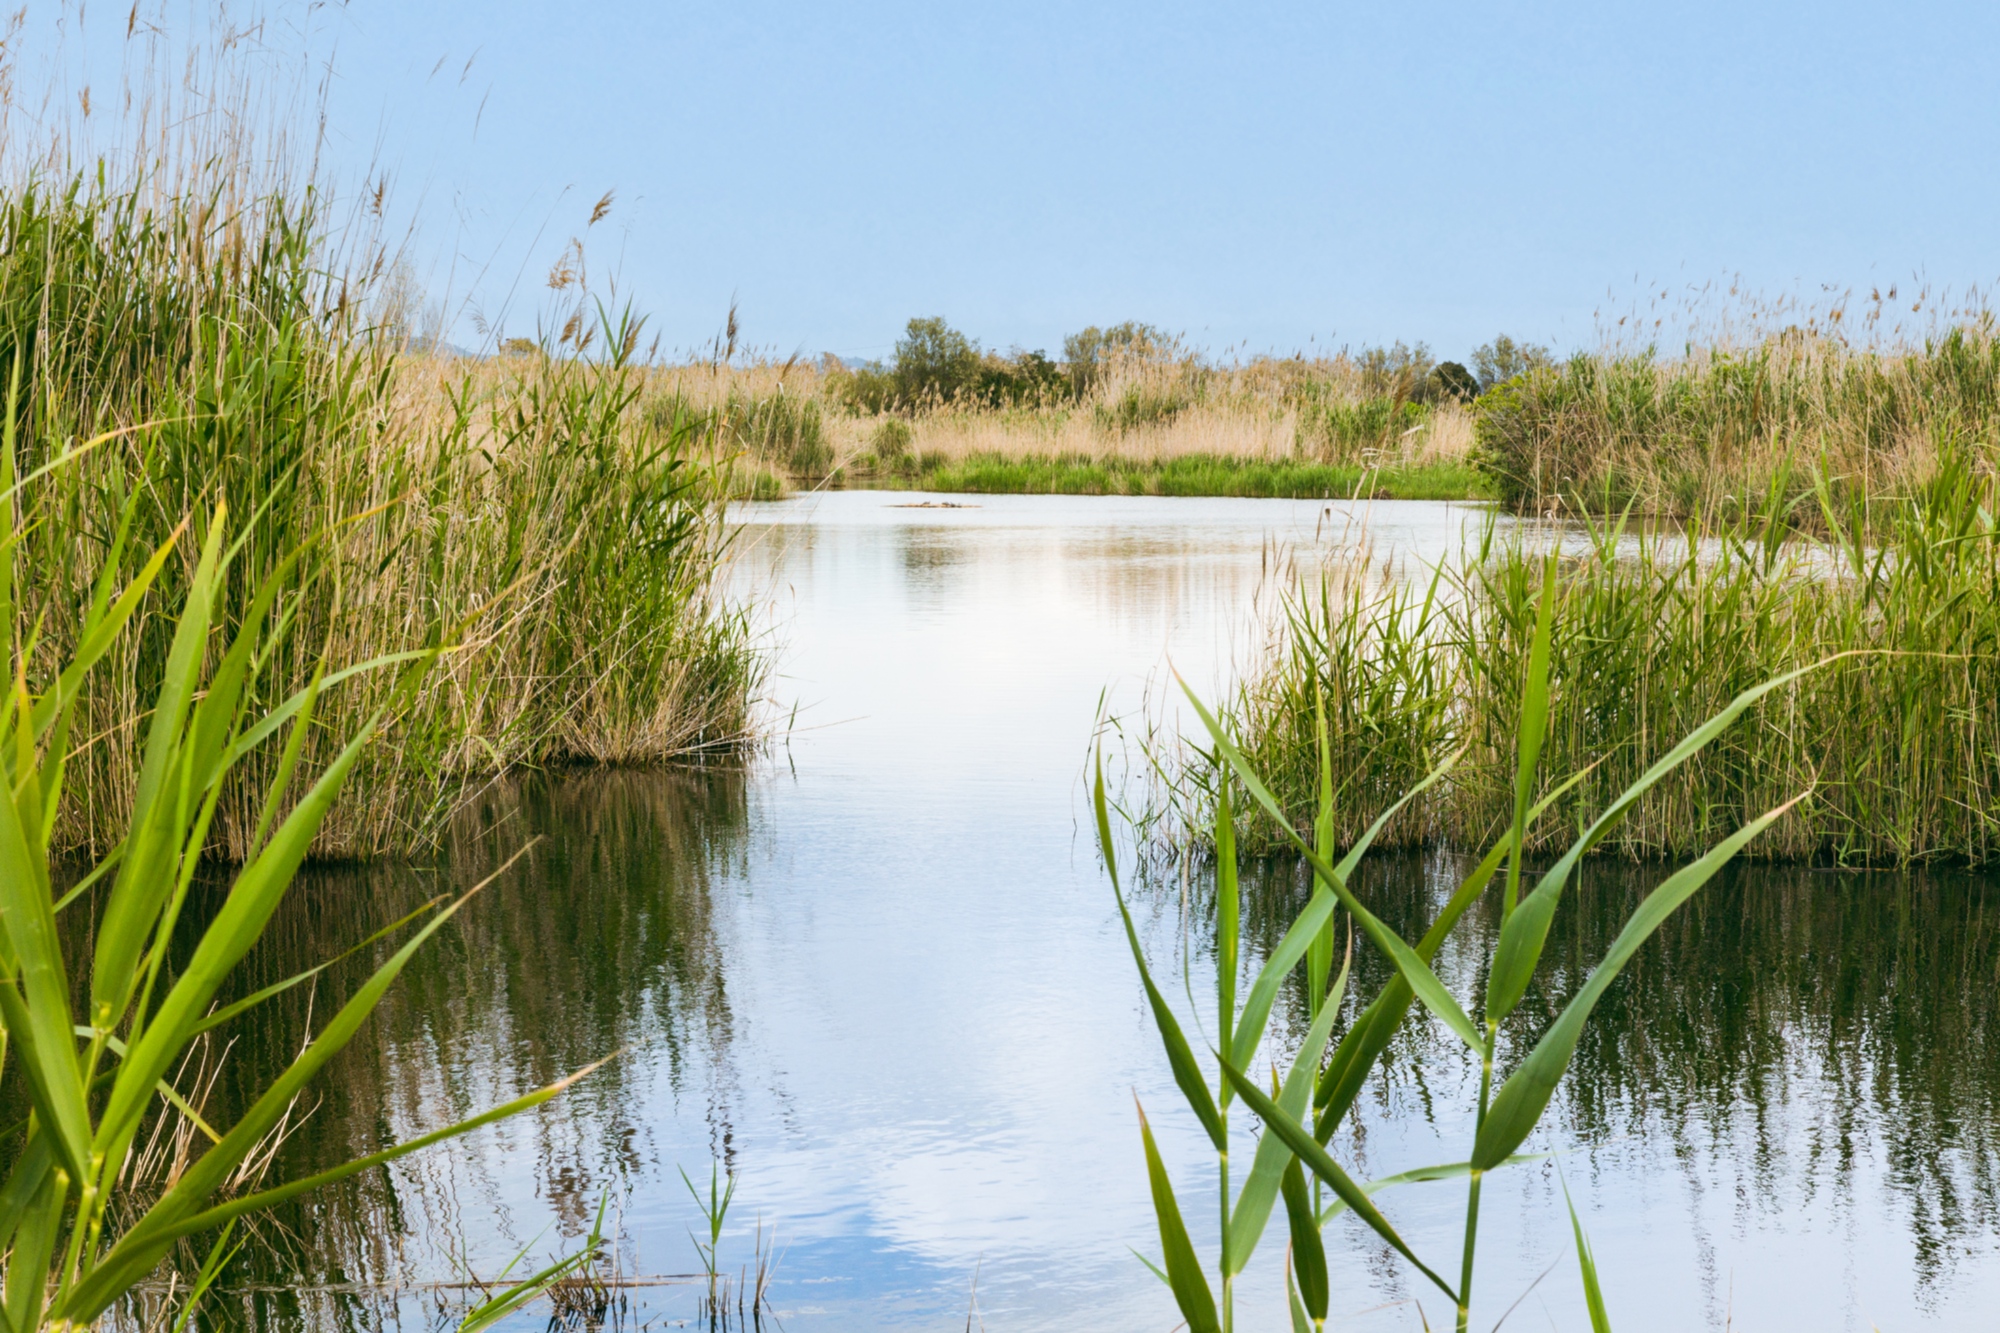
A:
[1656, 627]
[201, 337]
[1713, 431]
[1177, 425]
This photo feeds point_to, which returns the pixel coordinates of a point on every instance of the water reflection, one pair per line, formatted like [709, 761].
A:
[1798, 1050]
[600, 940]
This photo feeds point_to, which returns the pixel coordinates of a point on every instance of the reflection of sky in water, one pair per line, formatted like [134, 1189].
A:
[884, 977]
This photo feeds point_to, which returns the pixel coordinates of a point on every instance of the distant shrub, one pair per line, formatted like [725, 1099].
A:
[783, 428]
[869, 390]
[1142, 405]
[1397, 371]
[1024, 379]
[1450, 382]
[1336, 431]
[1086, 354]
[935, 363]
[1504, 359]
[891, 440]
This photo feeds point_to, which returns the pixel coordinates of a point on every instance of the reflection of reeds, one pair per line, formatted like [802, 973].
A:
[601, 940]
[1782, 1011]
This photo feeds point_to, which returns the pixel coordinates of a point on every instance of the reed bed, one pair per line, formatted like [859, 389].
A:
[1139, 425]
[203, 342]
[1655, 628]
[1716, 430]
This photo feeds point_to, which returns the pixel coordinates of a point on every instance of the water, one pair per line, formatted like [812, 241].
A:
[879, 974]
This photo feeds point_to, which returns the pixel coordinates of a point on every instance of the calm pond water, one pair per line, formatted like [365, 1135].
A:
[878, 973]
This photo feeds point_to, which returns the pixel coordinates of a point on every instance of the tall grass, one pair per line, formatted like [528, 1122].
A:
[1656, 628]
[524, 513]
[1712, 432]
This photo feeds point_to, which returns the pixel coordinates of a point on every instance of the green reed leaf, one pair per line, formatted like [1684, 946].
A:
[1317, 1160]
[1260, 1187]
[1593, 1291]
[148, 1240]
[1308, 1250]
[144, 878]
[1228, 917]
[1533, 729]
[1257, 1008]
[1184, 1275]
[35, 1000]
[1180, 1056]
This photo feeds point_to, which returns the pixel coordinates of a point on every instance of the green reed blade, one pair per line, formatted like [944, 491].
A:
[1522, 1098]
[131, 1258]
[24, 1179]
[1308, 1249]
[288, 761]
[1278, 965]
[1422, 1175]
[237, 926]
[1316, 1159]
[1300, 1324]
[1257, 1008]
[491, 1312]
[142, 881]
[276, 988]
[277, 717]
[1184, 1275]
[33, 1247]
[1526, 931]
[218, 1257]
[35, 1000]
[1228, 918]
[1260, 1187]
[1180, 1057]
[1319, 959]
[1593, 1292]
[1534, 728]
[101, 633]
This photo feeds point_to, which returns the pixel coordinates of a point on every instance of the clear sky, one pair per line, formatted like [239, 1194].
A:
[1253, 175]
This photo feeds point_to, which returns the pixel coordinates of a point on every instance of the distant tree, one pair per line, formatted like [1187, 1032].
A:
[1395, 372]
[934, 363]
[1503, 359]
[1086, 354]
[1020, 379]
[1450, 380]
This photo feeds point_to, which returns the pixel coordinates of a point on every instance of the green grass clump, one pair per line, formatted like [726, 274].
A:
[1711, 433]
[1351, 431]
[522, 513]
[1184, 475]
[1654, 630]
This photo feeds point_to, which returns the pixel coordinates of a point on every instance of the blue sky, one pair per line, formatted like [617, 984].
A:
[1264, 177]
